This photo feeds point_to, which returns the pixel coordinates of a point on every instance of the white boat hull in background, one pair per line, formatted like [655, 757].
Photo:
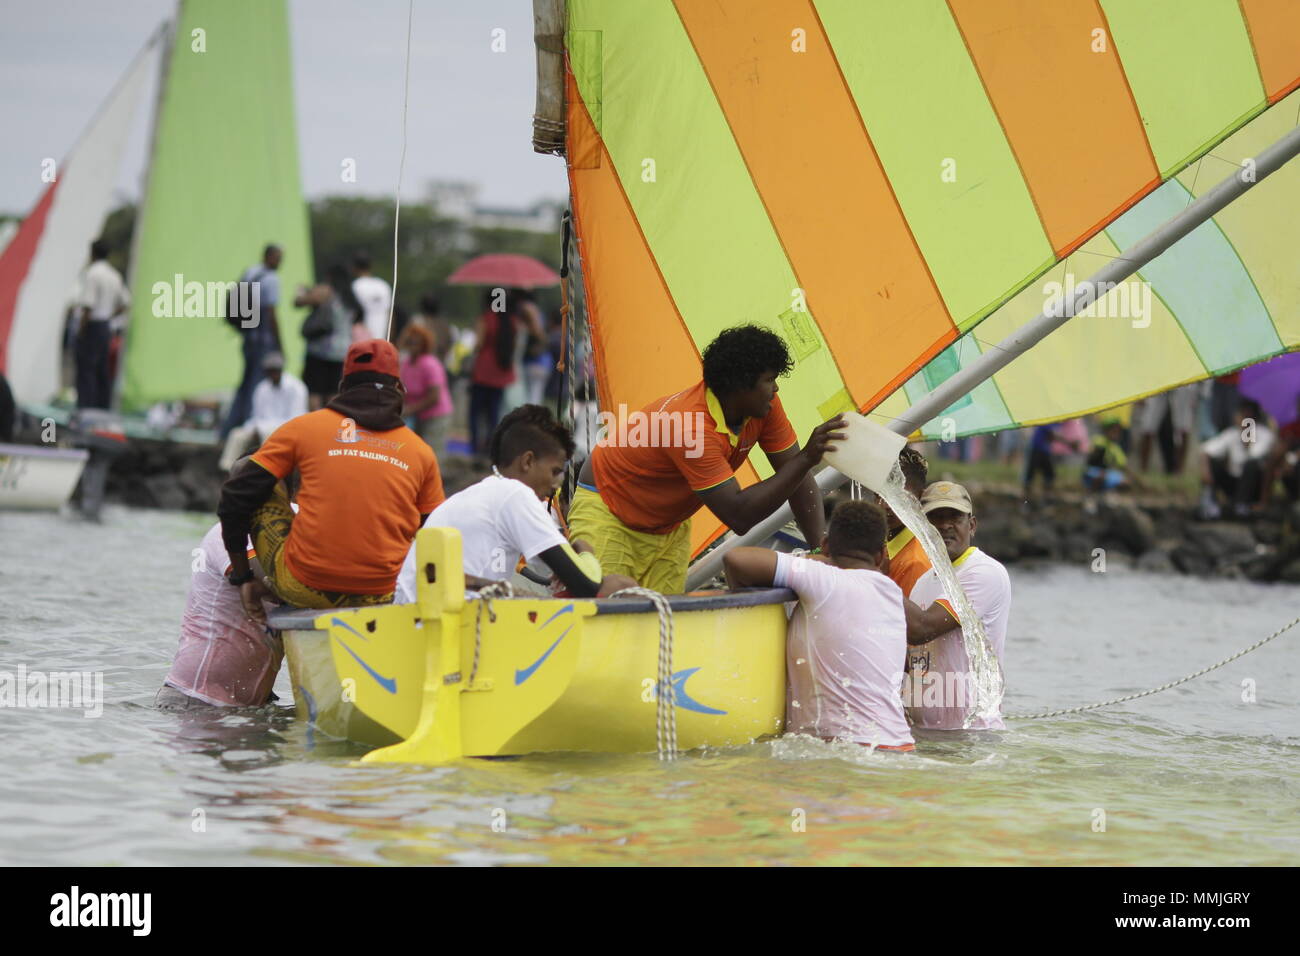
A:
[33, 478]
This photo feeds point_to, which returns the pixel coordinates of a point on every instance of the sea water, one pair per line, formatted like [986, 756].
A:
[1205, 773]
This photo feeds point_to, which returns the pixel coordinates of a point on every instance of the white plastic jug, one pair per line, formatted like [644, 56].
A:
[868, 452]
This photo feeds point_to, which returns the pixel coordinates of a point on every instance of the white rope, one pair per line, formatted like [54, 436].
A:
[501, 589]
[666, 693]
[587, 391]
[569, 376]
[401, 166]
[1156, 690]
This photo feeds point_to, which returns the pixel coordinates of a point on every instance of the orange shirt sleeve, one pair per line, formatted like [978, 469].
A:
[777, 434]
[906, 568]
[709, 468]
[279, 453]
[431, 493]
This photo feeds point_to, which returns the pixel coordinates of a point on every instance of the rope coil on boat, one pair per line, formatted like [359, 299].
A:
[501, 589]
[1156, 690]
[666, 693]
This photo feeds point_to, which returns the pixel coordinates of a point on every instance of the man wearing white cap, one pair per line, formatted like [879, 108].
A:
[937, 693]
[277, 398]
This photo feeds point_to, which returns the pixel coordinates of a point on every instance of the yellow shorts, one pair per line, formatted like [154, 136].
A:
[270, 530]
[656, 561]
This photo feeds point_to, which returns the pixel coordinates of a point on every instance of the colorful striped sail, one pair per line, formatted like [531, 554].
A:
[1224, 297]
[223, 182]
[874, 179]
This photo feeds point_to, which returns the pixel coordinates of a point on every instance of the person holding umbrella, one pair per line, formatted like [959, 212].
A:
[502, 326]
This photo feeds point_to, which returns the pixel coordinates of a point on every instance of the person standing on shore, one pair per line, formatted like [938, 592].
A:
[493, 369]
[374, 295]
[103, 296]
[428, 398]
[260, 333]
[328, 333]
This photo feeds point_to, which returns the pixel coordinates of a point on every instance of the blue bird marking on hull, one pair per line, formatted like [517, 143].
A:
[684, 700]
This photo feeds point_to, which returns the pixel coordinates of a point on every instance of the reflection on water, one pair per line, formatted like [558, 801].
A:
[1193, 775]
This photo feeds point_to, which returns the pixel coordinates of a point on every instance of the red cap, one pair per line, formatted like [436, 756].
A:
[373, 355]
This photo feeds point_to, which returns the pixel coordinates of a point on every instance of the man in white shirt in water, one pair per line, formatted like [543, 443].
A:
[848, 637]
[938, 690]
[503, 517]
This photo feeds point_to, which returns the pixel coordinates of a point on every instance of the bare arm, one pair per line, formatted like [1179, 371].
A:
[742, 508]
[924, 626]
[749, 567]
[805, 501]
[414, 407]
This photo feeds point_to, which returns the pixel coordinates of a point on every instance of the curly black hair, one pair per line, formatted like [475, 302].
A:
[856, 526]
[916, 470]
[529, 428]
[738, 356]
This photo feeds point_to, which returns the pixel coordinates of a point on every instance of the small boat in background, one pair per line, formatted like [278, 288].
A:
[36, 478]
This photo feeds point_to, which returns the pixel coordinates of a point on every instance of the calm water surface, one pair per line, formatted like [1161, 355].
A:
[1194, 775]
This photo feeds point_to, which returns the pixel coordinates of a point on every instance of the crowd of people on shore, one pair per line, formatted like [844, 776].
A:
[459, 384]
[1243, 458]
[507, 360]
[872, 637]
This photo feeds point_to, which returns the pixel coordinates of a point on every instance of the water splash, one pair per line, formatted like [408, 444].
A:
[986, 684]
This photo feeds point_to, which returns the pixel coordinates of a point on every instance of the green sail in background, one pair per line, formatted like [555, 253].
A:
[223, 181]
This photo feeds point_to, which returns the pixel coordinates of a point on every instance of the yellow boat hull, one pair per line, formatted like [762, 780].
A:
[551, 674]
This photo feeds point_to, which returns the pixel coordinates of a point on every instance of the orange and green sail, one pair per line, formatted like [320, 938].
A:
[873, 179]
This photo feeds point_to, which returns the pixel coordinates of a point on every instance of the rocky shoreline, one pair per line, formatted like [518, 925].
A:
[1146, 534]
[1071, 527]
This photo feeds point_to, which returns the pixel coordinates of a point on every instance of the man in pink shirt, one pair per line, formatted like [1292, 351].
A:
[848, 637]
[224, 658]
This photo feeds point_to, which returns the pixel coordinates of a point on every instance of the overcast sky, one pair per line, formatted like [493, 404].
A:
[470, 108]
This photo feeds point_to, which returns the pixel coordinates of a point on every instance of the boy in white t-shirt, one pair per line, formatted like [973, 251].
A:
[503, 517]
[938, 693]
[848, 636]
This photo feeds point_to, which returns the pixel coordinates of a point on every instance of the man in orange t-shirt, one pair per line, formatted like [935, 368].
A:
[654, 468]
[367, 484]
[907, 559]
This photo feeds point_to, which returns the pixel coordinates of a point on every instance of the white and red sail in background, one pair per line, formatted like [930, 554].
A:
[40, 264]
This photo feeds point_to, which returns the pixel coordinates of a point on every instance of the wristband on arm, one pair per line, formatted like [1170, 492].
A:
[580, 573]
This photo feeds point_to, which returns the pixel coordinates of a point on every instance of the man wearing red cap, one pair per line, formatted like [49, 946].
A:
[367, 484]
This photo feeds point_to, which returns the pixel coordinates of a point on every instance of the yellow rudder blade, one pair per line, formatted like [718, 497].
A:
[440, 589]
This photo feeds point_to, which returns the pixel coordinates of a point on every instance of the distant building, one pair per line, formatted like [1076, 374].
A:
[459, 201]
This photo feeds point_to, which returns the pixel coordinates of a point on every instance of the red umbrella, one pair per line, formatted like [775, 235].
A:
[505, 269]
